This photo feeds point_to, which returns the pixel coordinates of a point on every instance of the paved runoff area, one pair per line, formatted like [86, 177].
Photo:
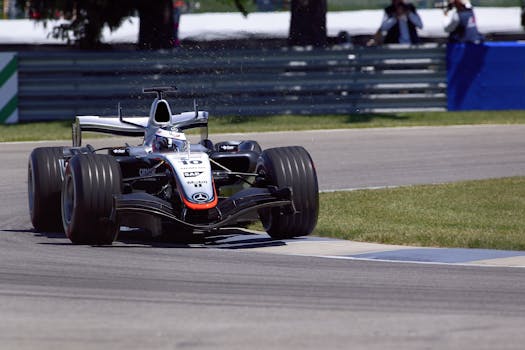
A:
[342, 249]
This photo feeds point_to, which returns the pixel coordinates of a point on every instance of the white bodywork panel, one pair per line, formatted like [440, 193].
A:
[135, 126]
[193, 171]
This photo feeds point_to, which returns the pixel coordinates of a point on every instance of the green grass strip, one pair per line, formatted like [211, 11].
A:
[373, 120]
[473, 214]
[62, 130]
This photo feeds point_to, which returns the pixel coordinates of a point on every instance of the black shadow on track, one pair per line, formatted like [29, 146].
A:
[230, 238]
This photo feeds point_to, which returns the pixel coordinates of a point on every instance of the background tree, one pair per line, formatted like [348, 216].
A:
[86, 19]
[157, 27]
[308, 23]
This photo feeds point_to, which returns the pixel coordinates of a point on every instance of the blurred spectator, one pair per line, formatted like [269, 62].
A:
[460, 22]
[523, 14]
[400, 23]
[179, 7]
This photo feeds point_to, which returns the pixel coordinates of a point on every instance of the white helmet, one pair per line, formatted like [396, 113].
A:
[169, 140]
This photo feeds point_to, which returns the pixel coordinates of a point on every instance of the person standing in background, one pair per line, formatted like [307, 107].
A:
[400, 23]
[460, 22]
[179, 7]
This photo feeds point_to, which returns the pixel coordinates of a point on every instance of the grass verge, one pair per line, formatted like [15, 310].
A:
[62, 130]
[473, 214]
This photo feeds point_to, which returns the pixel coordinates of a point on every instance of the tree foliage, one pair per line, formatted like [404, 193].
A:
[241, 6]
[85, 19]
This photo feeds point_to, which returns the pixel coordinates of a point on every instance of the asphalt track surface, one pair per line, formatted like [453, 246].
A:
[139, 294]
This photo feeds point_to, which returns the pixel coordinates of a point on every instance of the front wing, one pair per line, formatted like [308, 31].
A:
[228, 210]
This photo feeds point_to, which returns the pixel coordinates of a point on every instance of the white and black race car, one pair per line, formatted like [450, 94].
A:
[168, 185]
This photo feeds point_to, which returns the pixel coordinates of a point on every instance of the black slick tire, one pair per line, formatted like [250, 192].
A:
[44, 184]
[90, 182]
[290, 167]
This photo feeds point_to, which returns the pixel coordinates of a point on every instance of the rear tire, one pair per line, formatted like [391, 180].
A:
[290, 167]
[44, 184]
[90, 182]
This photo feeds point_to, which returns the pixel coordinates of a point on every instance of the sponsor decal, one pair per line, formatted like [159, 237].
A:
[197, 182]
[119, 152]
[192, 173]
[200, 197]
[145, 171]
[228, 148]
[191, 161]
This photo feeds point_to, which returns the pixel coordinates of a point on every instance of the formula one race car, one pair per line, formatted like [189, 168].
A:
[168, 185]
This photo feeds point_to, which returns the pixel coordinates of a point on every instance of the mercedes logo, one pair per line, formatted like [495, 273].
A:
[200, 197]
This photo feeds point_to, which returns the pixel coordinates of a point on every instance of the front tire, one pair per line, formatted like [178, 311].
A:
[290, 167]
[90, 182]
[44, 184]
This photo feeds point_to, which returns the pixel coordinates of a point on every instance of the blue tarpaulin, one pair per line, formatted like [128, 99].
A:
[489, 76]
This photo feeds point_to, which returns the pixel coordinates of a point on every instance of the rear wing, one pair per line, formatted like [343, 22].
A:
[134, 126]
[107, 125]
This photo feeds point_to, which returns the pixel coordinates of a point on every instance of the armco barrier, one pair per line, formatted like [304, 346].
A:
[490, 76]
[8, 88]
[60, 85]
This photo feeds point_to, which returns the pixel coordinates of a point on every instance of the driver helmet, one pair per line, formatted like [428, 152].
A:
[169, 140]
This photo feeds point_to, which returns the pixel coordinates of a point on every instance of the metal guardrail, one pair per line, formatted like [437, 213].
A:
[60, 85]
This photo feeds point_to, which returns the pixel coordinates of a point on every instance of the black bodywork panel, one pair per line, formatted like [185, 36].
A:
[227, 211]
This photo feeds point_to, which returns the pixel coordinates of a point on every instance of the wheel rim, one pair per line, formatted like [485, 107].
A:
[68, 200]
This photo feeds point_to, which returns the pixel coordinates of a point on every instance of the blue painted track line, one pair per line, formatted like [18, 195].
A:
[441, 255]
[342, 249]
